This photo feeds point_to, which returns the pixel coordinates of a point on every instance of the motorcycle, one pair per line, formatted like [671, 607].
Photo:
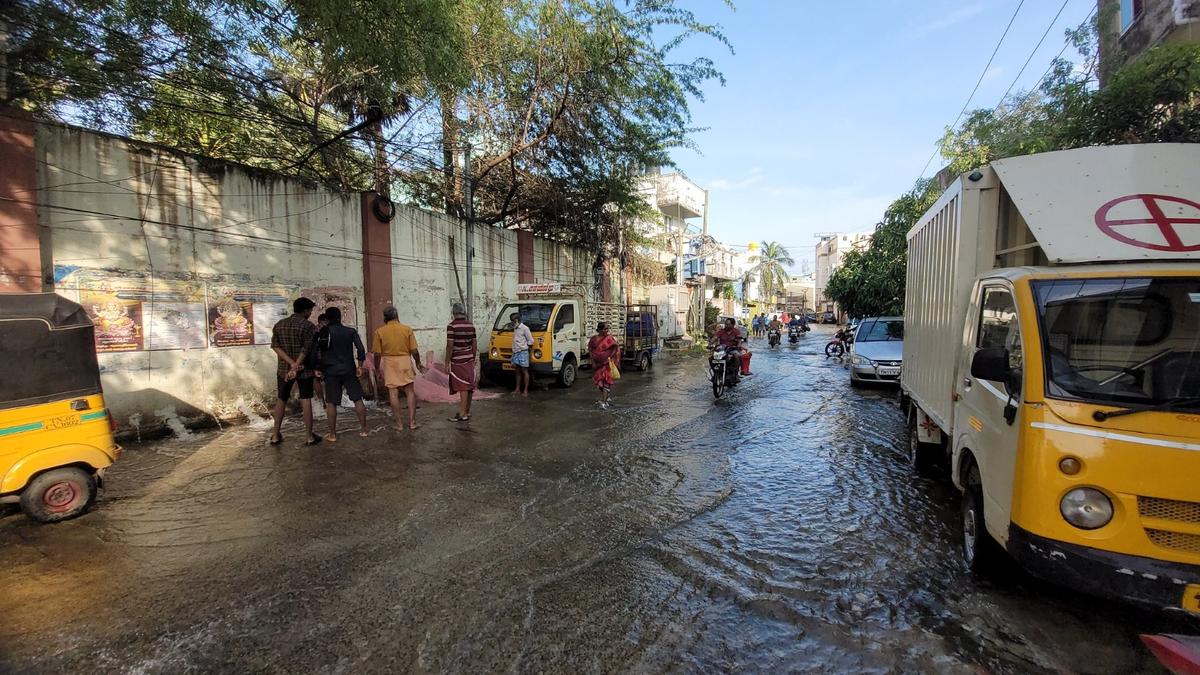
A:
[840, 344]
[794, 333]
[773, 337]
[724, 366]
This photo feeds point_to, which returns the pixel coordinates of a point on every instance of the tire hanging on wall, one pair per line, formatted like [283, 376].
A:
[383, 208]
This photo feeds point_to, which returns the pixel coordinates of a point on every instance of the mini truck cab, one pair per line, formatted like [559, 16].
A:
[55, 432]
[1052, 355]
[561, 319]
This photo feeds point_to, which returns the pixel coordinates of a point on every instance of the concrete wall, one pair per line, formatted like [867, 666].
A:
[160, 246]
[127, 215]
[1161, 21]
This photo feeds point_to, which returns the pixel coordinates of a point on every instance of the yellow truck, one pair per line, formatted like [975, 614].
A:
[561, 318]
[1052, 357]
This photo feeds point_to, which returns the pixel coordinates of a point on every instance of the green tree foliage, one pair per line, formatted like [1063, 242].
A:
[557, 98]
[1154, 99]
[870, 282]
[770, 266]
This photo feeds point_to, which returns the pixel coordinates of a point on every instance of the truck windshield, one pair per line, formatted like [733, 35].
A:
[1121, 341]
[880, 330]
[536, 315]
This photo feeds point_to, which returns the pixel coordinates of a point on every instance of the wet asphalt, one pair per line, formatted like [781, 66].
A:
[776, 530]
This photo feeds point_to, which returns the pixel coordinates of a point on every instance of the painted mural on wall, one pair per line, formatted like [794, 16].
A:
[342, 297]
[244, 315]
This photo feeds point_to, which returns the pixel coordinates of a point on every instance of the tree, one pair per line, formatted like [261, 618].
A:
[770, 267]
[747, 280]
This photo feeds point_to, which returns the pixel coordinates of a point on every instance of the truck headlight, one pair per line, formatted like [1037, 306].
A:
[1086, 508]
[537, 354]
[495, 352]
[860, 360]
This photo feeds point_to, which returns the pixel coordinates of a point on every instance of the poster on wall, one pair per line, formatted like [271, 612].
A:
[244, 315]
[139, 313]
[342, 297]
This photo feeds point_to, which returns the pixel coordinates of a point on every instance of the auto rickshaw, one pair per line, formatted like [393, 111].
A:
[56, 435]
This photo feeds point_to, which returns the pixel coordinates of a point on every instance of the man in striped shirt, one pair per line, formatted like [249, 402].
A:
[461, 356]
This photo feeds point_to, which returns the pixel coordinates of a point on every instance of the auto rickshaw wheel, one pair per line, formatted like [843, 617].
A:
[58, 494]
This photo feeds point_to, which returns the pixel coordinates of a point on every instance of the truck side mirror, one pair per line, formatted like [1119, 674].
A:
[991, 363]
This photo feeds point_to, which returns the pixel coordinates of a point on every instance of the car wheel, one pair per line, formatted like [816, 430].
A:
[58, 494]
[568, 373]
[979, 550]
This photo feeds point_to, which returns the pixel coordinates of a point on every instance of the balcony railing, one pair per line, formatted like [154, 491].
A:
[679, 196]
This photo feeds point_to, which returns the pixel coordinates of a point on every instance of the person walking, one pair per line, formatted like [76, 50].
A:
[522, 341]
[605, 355]
[291, 339]
[342, 358]
[395, 349]
[462, 353]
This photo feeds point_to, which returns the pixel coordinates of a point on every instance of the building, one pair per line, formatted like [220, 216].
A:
[711, 268]
[1130, 27]
[830, 252]
[800, 293]
[679, 203]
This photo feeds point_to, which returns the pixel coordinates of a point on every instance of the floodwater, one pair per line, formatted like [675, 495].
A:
[778, 529]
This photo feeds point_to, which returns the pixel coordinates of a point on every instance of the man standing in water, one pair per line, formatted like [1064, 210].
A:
[461, 354]
[342, 358]
[395, 348]
[291, 339]
[522, 341]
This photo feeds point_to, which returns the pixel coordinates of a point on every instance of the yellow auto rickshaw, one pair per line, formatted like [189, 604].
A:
[56, 435]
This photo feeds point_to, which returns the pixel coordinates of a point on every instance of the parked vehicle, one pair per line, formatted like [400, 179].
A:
[1051, 357]
[811, 317]
[840, 344]
[561, 319]
[57, 434]
[877, 351]
[724, 369]
[828, 317]
[641, 336]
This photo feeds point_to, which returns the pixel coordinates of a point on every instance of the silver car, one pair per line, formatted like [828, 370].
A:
[877, 351]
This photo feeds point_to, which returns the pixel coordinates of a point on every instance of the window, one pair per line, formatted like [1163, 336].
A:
[1130, 11]
[881, 330]
[534, 315]
[998, 324]
[566, 317]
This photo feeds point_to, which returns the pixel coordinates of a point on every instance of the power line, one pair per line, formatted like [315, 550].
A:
[1033, 90]
[1034, 51]
[977, 82]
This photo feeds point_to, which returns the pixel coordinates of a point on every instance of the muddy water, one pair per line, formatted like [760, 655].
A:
[777, 529]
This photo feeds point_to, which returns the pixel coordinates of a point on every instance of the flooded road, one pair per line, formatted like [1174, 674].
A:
[778, 529]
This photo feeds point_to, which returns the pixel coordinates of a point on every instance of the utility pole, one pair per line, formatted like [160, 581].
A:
[469, 197]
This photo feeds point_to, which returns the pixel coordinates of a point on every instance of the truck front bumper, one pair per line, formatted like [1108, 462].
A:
[1143, 581]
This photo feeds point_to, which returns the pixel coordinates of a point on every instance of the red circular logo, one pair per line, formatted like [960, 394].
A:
[1168, 237]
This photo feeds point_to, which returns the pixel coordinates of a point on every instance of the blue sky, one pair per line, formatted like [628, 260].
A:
[831, 109]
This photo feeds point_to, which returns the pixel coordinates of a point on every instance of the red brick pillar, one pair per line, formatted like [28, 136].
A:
[377, 261]
[20, 240]
[525, 273]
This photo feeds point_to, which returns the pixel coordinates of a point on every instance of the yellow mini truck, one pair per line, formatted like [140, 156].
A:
[56, 435]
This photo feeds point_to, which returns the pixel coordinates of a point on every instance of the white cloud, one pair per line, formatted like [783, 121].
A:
[944, 22]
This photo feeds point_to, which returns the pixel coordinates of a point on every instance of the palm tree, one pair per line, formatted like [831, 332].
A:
[771, 264]
[746, 281]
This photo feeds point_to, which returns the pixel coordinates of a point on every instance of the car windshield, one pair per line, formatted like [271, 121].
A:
[1121, 340]
[536, 315]
[880, 330]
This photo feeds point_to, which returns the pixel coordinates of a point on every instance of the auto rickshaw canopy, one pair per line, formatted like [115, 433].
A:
[49, 350]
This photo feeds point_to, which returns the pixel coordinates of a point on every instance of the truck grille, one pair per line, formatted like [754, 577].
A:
[1179, 541]
[1169, 509]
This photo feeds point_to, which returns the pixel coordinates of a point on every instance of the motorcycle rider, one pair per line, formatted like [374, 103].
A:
[775, 326]
[730, 337]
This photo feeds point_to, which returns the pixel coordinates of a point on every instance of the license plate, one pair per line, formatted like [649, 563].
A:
[506, 366]
[889, 372]
[63, 422]
[1191, 598]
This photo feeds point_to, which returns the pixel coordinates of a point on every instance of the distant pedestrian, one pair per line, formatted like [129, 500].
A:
[462, 354]
[342, 358]
[605, 354]
[522, 341]
[395, 349]
[291, 338]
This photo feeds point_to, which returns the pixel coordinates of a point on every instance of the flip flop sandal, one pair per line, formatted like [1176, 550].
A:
[313, 440]
[276, 441]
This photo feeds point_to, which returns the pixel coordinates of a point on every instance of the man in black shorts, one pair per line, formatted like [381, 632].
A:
[290, 340]
[340, 347]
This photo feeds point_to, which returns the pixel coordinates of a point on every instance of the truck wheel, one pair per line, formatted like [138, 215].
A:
[921, 456]
[58, 494]
[566, 376]
[979, 550]
[644, 361]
